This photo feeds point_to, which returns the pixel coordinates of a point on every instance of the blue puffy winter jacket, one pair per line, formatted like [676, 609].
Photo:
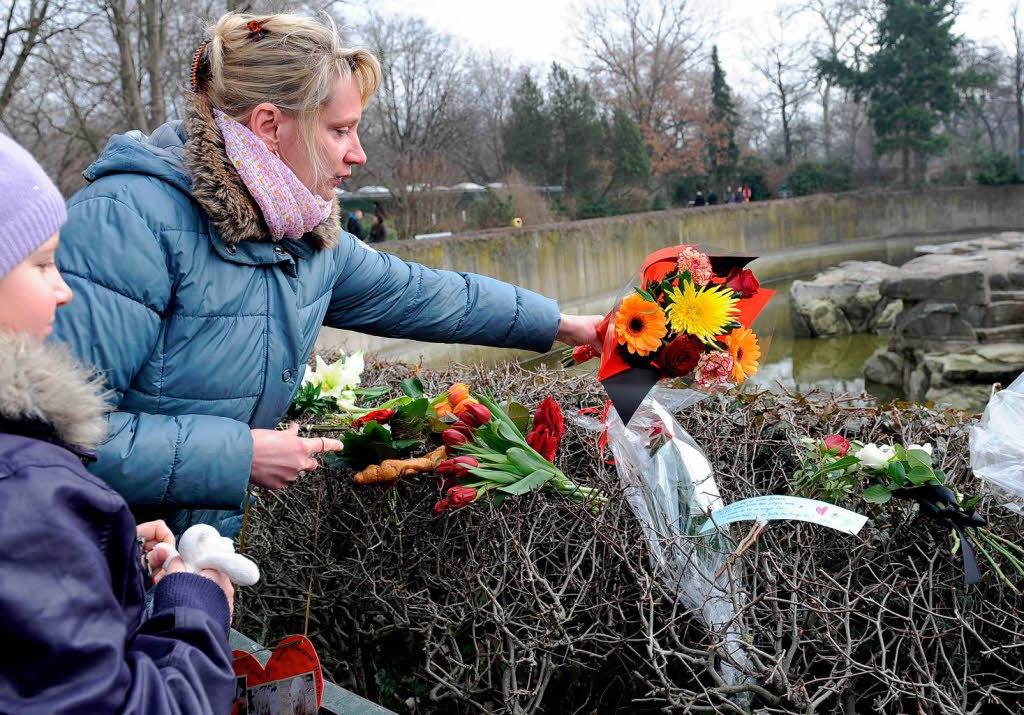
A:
[202, 325]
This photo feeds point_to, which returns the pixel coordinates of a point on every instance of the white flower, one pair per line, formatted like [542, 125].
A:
[334, 379]
[923, 447]
[346, 400]
[875, 456]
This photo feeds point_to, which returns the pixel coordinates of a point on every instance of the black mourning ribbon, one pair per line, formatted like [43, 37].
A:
[940, 503]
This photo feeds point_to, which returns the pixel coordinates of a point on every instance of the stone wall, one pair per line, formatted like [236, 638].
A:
[579, 261]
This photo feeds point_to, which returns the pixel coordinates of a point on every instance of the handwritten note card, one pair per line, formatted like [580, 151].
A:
[769, 508]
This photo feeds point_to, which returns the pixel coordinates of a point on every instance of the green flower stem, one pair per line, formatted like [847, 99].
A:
[994, 541]
[992, 562]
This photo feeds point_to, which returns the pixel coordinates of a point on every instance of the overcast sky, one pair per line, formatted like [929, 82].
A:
[541, 31]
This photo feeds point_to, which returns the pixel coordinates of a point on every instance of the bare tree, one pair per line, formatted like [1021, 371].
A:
[1018, 83]
[786, 68]
[643, 54]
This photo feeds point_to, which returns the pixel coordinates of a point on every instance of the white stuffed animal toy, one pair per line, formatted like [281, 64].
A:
[202, 547]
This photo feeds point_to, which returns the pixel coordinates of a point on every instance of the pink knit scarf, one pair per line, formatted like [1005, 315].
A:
[289, 208]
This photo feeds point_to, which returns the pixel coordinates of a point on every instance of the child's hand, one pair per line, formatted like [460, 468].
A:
[156, 532]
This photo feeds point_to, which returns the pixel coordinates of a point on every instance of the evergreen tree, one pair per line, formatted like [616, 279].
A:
[577, 131]
[913, 81]
[723, 153]
[527, 134]
[631, 165]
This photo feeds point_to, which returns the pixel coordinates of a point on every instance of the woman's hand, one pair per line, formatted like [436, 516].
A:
[279, 457]
[577, 330]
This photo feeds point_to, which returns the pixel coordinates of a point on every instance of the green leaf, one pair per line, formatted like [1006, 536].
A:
[412, 387]
[495, 475]
[835, 466]
[497, 498]
[520, 416]
[877, 494]
[410, 417]
[371, 393]
[527, 484]
[645, 295]
[919, 475]
[897, 472]
[919, 456]
[370, 446]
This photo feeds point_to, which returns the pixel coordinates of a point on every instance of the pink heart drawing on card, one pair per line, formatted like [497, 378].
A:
[821, 510]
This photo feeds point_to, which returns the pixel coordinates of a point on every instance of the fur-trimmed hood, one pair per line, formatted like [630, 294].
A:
[221, 192]
[42, 383]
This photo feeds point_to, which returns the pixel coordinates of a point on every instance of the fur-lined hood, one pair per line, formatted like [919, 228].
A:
[221, 192]
[42, 382]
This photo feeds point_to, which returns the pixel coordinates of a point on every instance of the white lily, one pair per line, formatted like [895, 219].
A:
[346, 400]
[875, 456]
[340, 376]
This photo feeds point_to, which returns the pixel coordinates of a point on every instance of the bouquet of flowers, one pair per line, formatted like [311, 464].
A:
[835, 469]
[689, 319]
[488, 451]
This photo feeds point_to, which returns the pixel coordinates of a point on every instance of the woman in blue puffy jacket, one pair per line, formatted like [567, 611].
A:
[75, 635]
[207, 256]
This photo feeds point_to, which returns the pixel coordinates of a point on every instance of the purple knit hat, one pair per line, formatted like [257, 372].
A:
[32, 209]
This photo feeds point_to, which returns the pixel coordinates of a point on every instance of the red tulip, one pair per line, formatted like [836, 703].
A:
[442, 505]
[457, 467]
[548, 429]
[474, 414]
[461, 496]
[838, 444]
[453, 438]
[464, 428]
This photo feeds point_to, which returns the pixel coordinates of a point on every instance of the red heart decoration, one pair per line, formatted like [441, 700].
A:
[293, 656]
[821, 510]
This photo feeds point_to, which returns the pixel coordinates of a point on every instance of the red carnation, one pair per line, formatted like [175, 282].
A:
[461, 496]
[548, 429]
[838, 444]
[379, 416]
[680, 356]
[742, 281]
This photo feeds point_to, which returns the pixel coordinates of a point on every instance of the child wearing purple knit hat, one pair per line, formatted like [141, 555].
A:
[72, 594]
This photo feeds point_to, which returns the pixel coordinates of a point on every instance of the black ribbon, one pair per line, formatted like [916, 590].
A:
[940, 503]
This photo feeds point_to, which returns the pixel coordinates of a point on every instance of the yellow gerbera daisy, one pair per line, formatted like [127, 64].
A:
[745, 353]
[640, 325]
[703, 313]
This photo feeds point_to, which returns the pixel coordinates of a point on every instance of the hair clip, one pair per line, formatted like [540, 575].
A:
[197, 59]
[256, 31]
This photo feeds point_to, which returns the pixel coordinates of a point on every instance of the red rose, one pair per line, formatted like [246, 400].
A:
[838, 444]
[742, 281]
[680, 356]
[474, 414]
[461, 496]
[548, 429]
[379, 416]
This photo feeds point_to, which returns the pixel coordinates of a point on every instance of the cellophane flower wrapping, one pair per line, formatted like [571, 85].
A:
[670, 485]
[997, 444]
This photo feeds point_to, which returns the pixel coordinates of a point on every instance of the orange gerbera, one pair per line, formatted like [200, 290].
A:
[745, 353]
[640, 325]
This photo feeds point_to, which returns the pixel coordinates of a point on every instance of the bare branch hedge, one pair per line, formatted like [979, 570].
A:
[544, 607]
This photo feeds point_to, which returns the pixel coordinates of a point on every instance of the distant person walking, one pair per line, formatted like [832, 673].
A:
[355, 225]
[728, 195]
[378, 234]
[738, 196]
[746, 194]
[699, 199]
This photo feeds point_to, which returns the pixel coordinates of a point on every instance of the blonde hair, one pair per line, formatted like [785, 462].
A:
[290, 61]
